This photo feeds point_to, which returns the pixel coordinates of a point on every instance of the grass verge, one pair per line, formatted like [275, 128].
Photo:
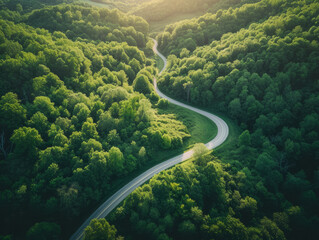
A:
[159, 62]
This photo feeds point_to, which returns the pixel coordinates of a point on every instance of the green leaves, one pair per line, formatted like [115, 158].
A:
[100, 229]
[199, 150]
[44, 231]
[26, 141]
[141, 84]
[116, 160]
[12, 114]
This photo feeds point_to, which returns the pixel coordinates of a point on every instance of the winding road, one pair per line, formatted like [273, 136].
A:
[121, 194]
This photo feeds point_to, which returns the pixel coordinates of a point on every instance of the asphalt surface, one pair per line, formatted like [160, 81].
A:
[121, 194]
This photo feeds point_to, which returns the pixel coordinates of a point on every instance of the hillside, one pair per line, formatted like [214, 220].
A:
[160, 13]
[153, 10]
[203, 30]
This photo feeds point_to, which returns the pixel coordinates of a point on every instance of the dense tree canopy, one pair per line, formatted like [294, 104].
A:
[74, 117]
[265, 77]
[91, 23]
[203, 200]
[212, 26]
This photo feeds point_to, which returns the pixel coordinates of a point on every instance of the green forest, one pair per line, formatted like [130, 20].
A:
[80, 118]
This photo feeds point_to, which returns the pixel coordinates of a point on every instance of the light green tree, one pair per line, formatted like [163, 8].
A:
[100, 229]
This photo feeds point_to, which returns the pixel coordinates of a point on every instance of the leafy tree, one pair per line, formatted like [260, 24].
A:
[89, 129]
[166, 141]
[44, 231]
[245, 139]
[270, 229]
[44, 105]
[12, 114]
[116, 160]
[100, 229]
[26, 141]
[141, 84]
[235, 108]
[199, 150]
[145, 111]
[40, 122]
[106, 123]
[187, 229]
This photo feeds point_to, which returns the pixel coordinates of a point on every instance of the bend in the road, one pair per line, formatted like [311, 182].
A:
[121, 194]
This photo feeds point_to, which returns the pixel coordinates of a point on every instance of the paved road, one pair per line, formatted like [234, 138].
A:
[121, 194]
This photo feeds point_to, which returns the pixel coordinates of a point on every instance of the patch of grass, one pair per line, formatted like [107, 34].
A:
[159, 63]
[201, 129]
[166, 122]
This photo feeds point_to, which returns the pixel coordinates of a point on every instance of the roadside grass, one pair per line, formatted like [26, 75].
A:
[159, 62]
[201, 129]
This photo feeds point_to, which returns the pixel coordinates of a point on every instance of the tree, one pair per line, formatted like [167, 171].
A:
[40, 122]
[26, 141]
[114, 138]
[12, 114]
[19, 8]
[81, 111]
[265, 164]
[106, 123]
[44, 231]
[199, 150]
[116, 160]
[270, 230]
[44, 105]
[190, 44]
[100, 229]
[228, 228]
[141, 84]
[187, 86]
[142, 153]
[145, 111]
[163, 103]
[89, 129]
[60, 140]
[244, 139]
[248, 208]
[68, 199]
[166, 141]
[98, 167]
[187, 229]
[235, 108]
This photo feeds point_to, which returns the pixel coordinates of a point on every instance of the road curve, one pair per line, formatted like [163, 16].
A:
[121, 194]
